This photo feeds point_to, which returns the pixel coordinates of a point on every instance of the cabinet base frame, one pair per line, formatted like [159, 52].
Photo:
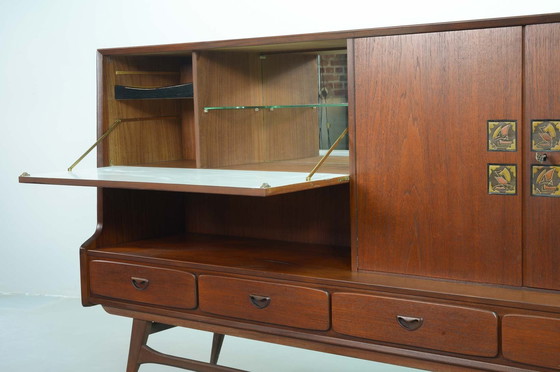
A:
[344, 347]
[140, 353]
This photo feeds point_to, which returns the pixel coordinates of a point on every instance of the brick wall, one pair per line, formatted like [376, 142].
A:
[333, 120]
[334, 75]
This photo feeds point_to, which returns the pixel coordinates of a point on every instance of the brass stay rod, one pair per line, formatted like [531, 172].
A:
[111, 128]
[308, 178]
[120, 72]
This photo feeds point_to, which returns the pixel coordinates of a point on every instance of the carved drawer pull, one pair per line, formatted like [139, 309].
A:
[259, 301]
[410, 323]
[140, 283]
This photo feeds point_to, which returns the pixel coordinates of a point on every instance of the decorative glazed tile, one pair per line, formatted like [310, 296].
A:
[502, 179]
[545, 135]
[545, 180]
[502, 135]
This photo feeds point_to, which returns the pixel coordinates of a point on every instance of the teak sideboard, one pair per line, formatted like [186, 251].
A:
[428, 238]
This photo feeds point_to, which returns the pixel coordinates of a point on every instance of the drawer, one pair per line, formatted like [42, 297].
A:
[138, 283]
[532, 340]
[281, 304]
[415, 323]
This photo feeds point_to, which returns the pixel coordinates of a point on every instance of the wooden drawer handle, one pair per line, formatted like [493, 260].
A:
[140, 283]
[410, 323]
[259, 301]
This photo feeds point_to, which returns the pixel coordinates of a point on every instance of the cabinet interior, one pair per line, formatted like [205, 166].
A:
[166, 130]
[297, 108]
[298, 233]
[251, 109]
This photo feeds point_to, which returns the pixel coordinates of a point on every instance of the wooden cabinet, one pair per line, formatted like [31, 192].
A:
[423, 235]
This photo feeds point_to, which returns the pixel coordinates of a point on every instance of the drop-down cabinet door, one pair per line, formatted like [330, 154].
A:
[542, 156]
[438, 155]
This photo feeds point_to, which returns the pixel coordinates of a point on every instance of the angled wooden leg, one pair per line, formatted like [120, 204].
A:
[141, 353]
[217, 342]
[139, 337]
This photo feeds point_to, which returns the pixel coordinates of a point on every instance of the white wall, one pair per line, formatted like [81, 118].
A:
[47, 97]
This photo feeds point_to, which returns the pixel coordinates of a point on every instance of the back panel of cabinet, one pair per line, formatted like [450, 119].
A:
[153, 130]
[240, 79]
[428, 198]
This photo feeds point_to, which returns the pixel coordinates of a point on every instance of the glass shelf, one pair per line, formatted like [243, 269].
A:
[272, 107]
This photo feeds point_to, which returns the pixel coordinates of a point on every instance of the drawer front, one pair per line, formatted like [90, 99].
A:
[138, 283]
[532, 340]
[281, 304]
[421, 324]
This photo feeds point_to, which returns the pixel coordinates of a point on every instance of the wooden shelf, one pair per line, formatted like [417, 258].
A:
[212, 181]
[206, 251]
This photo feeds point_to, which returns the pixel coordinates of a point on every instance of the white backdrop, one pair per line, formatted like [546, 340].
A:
[47, 97]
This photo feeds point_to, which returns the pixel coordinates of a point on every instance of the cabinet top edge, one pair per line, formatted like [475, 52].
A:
[329, 40]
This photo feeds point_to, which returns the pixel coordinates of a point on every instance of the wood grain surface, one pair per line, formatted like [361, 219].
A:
[290, 79]
[144, 141]
[288, 305]
[160, 287]
[532, 340]
[231, 136]
[448, 328]
[319, 216]
[422, 105]
[542, 101]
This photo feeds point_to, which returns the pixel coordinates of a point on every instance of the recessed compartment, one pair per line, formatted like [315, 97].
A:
[449, 328]
[150, 130]
[259, 301]
[143, 284]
